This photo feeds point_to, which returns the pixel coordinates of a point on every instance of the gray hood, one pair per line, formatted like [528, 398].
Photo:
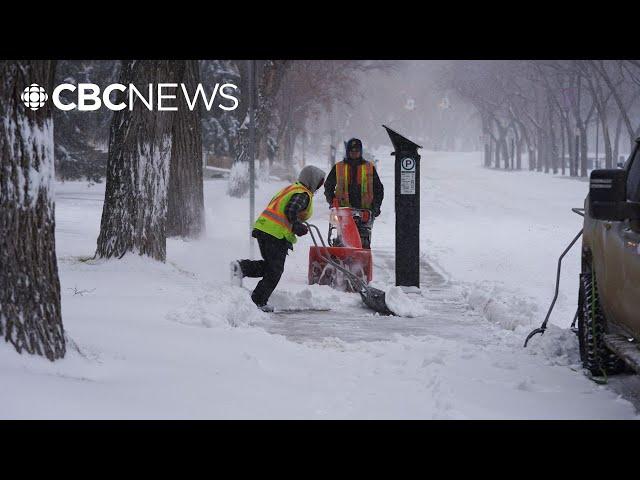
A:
[311, 177]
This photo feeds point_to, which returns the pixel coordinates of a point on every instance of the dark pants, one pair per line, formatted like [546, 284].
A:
[274, 253]
[364, 229]
[365, 236]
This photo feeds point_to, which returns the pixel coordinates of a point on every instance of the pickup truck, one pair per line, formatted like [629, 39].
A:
[609, 290]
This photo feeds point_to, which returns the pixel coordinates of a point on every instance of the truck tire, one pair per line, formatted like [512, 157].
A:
[595, 356]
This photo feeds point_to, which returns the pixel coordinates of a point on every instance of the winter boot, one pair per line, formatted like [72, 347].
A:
[236, 274]
[265, 308]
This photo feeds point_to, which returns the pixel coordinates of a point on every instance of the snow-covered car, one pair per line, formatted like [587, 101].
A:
[609, 296]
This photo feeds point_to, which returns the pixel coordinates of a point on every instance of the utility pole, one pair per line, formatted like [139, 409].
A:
[513, 152]
[252, 152]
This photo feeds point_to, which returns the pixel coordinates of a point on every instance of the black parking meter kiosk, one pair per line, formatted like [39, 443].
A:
[407, 209]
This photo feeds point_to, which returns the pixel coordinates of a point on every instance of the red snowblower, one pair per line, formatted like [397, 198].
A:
[344, 264]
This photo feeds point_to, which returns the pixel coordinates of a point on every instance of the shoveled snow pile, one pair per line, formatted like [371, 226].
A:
[506, 308]
[311, 297]
[224, 305]
[403, 304]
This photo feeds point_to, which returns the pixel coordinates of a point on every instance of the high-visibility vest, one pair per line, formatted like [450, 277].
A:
[364, 178]
[273, 219]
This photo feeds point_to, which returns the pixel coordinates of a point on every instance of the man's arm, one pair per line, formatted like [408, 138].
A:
[378, 193]
[297, 203]
[330, 185]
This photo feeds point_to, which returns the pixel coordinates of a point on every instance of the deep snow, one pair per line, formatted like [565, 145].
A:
[174, 340]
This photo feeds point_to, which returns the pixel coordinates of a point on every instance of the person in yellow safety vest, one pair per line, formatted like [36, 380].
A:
[354, 182]
[276, 229]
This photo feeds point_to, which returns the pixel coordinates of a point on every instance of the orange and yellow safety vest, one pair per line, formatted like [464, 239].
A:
[273, 219]
[364, 177]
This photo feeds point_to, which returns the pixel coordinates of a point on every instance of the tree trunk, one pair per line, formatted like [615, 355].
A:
[30, 316]
[281, 138]
[490, 158]
[185, 202]
[531, 157]
[608, 154]
[530, 148]
[541, 151]
[548, 152]
[570, 144]
[289, 142]
[574, 151]
[487, 155]
[551, 138]
[487, 141]
[554, 151]
[502, 147]
[584, 151]
[540, 140]
[243, 86]
[616, 142]
[522, 144]
[268, 87]
[562, 147]
[135, 205]
[505, 152]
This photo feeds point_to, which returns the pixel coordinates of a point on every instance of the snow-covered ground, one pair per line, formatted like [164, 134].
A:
[174, 340]
[501, 232]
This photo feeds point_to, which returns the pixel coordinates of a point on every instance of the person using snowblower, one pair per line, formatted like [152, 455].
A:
[354, 183]
[276, 230]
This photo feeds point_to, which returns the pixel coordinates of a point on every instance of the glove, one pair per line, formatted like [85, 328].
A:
[300, 229]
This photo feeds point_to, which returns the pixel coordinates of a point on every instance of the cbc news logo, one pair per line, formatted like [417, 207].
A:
[157, 97]
[34, 96]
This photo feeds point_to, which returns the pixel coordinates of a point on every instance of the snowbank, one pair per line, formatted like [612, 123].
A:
[403, 304]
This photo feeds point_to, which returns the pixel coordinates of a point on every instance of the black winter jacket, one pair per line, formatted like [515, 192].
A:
[354, 188]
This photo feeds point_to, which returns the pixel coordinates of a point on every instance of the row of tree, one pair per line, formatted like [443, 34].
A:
[551, 112]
